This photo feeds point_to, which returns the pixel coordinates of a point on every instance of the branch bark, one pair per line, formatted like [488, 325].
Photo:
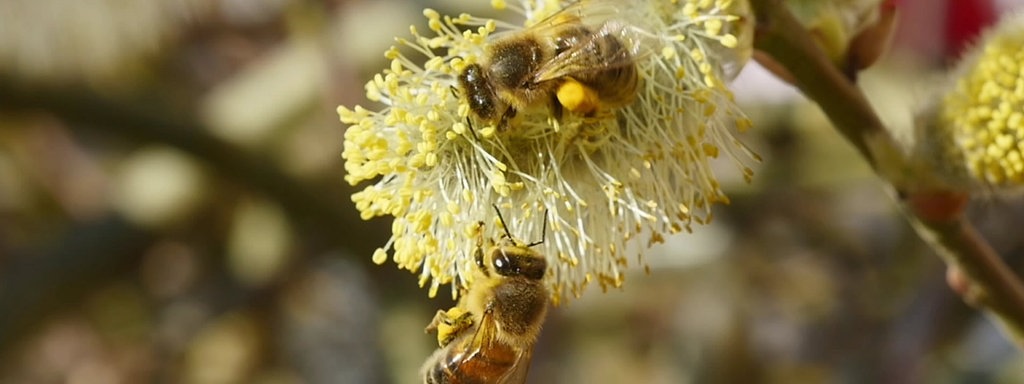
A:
[317, 209]
[993, 286]
[33, 287]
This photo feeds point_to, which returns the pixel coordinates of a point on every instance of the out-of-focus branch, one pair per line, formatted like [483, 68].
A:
[317, 209]
[32, 287]
[87, 255]
[781, 36]
[993, 286]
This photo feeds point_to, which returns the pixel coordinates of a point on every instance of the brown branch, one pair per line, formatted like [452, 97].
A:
[995, 288]
[992, 285]
[317, 209]
[785, 39]
[32, 287]
[51, 279]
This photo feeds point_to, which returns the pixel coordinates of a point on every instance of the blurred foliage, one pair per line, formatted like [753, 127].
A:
[172, 210]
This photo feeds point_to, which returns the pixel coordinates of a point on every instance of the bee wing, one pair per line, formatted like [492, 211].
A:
[590, 12]
[615, 44]
[520, 369]
[610, 41]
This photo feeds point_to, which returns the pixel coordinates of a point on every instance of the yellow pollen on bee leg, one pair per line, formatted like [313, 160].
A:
[577, 97]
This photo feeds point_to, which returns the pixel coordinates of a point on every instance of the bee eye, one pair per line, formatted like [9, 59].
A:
[502, 265]
[515, 264]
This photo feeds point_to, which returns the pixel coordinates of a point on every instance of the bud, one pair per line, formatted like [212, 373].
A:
[852, 33]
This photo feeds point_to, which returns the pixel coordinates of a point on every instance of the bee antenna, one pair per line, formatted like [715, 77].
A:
[543, 231]
[502, 220]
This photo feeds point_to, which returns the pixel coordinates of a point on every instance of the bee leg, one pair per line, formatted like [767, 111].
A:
[478, 256]
[449, 324]
[556, 108]
[506, 117]
[438, 318]
[578, 97]
[489, 307]
[478, 253]
[458, 320]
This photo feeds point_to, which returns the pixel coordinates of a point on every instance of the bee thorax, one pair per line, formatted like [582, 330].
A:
[513, 62]
[519, 306]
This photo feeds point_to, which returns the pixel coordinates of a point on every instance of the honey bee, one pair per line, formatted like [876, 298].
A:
[580, 59]
[489, 336]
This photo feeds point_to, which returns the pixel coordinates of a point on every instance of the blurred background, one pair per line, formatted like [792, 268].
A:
[172, 210]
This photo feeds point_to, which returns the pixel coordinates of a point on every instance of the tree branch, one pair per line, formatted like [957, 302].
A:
[995, 287]
[32, 287]
[317, 209]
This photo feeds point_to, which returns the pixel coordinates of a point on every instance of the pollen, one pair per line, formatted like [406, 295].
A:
[730, 41]
[380, 256]
[577, 97]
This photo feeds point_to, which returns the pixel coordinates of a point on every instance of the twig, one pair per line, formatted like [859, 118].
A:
[51, 279]
[994, 287]
[317, 209]
[33, 287]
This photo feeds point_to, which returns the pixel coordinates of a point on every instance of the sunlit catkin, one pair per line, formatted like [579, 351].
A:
[980, 121]
[612, 179]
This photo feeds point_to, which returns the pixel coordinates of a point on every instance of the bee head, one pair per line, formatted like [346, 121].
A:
[478, 91]
[510, 258]
[517, 260]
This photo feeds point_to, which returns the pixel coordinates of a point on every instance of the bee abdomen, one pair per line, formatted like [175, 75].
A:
[484, 367]
[617, 86]
[614, 85]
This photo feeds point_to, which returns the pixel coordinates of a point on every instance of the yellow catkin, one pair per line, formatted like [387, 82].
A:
[598, 177]
[982, 115]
